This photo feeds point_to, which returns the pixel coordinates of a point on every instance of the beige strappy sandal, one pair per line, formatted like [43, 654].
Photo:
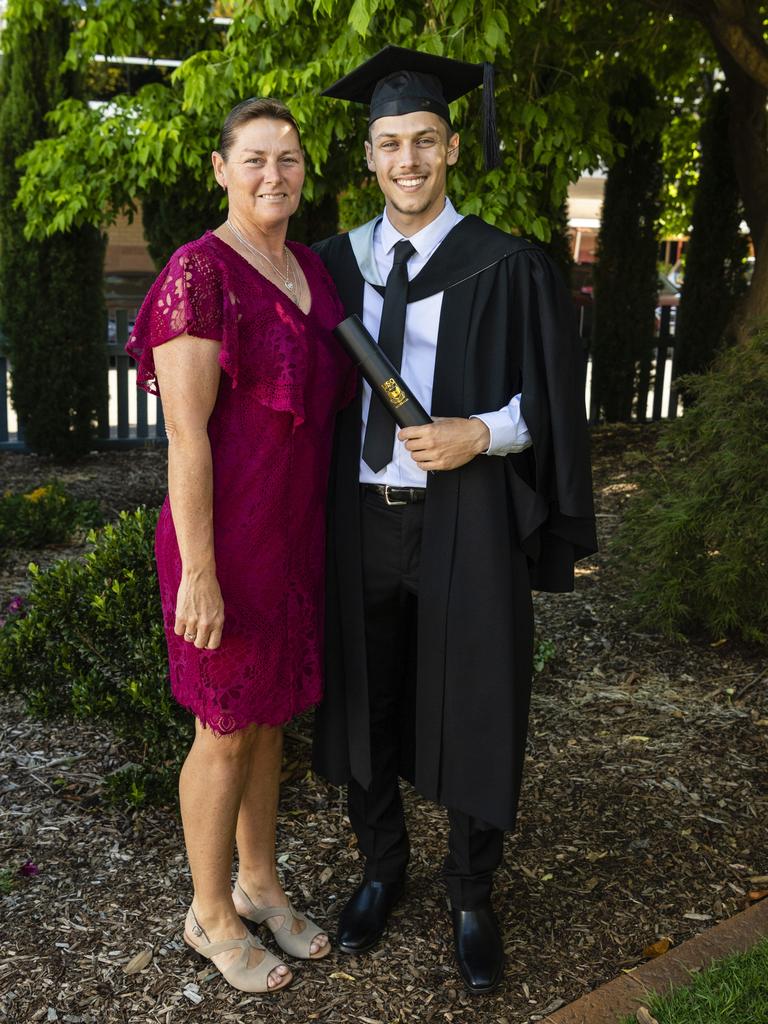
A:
[238, 972]
[293, 943]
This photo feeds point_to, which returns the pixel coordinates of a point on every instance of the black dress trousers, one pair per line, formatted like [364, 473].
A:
[391, 537]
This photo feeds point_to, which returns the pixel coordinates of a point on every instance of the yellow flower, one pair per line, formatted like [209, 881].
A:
[38, 494]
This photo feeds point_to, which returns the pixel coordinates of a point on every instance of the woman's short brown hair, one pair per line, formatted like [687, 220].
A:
[249, 110]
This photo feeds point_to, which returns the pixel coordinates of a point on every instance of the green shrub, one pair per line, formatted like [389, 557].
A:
[46, 515]
[695, 540]
[90, 642]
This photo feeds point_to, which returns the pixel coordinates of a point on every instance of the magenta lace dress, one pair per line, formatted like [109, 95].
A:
[285, 377]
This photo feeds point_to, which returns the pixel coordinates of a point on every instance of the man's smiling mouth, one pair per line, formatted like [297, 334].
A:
[410, 183]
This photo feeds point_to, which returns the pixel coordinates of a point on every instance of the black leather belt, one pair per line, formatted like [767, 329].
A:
[396, 495]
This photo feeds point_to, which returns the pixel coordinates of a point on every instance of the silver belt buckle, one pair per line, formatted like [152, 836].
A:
[386, 496]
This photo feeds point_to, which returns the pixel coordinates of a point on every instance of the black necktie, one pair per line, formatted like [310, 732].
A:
[380, 430]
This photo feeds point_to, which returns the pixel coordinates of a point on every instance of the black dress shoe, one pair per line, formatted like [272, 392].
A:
[364, 918]
[479, 949]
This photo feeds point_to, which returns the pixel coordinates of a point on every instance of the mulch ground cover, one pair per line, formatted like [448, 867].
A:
[643, 818]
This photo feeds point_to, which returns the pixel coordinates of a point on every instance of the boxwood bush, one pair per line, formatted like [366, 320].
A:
[695, 540]
[89, 641]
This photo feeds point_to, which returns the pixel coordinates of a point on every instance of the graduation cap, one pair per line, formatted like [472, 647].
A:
[399, 81]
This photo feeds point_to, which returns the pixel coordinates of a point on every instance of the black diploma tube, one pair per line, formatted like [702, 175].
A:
[384, 379]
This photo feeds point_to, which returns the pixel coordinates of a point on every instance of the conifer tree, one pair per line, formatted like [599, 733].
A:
[626, 281]
[715, 262]
[51, 292]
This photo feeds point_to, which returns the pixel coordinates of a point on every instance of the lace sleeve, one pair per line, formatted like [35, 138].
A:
[187, 298]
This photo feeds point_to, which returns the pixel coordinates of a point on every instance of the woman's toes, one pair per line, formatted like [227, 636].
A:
[319, 942]
[278, 975]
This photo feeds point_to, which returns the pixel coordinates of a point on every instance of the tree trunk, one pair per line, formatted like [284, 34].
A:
[754, 308]
[748, 85]
[749, 143]
[749, 139]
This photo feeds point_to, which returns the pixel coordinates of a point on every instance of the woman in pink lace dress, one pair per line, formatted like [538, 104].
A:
[235, 335]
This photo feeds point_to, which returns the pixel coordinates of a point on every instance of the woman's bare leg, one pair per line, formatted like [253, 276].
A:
[256, 824]
[211, 787]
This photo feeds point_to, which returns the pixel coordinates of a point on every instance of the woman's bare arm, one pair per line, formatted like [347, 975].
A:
[188, 376]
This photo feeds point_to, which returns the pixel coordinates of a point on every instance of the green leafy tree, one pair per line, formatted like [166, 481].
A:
[552, 107]
[169, 222]
[715, 263]
[158, 30]
[51, 298]
[552, 123]
[625, 273]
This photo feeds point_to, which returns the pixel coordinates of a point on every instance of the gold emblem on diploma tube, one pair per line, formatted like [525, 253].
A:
[395, 394]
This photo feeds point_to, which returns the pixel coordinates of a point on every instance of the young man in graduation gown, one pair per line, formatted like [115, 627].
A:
[438, 533]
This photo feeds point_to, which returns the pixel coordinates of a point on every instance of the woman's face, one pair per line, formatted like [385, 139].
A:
[263, 173]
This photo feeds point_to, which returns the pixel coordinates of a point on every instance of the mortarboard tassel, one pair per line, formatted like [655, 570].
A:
[490, 136]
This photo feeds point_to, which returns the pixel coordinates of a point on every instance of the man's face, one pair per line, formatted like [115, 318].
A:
[410, 155]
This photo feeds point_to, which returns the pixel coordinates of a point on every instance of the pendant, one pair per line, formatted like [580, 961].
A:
[289, 285]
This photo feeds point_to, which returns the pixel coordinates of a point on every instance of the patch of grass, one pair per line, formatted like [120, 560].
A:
[731, 991]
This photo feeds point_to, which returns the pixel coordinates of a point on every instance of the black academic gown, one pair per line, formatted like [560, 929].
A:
[492, 529]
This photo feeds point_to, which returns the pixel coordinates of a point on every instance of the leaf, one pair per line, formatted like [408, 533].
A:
[757, 894]
[325, 874]
[556, 1003]
[697, 917]
[139, 962]
[359, 16]
[657, 948]
[643, 1016]
[342, 975]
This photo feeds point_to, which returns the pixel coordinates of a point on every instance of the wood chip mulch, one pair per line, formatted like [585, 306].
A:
[643, 818]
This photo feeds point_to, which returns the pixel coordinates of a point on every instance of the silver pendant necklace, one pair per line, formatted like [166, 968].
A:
[290, 285]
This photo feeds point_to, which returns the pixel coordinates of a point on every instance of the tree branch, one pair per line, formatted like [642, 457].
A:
[735, 25]
[749, 52]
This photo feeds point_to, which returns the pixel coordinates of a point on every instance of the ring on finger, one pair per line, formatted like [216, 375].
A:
[190, 636]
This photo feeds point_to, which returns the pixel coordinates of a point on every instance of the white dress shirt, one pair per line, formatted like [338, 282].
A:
[422, 320]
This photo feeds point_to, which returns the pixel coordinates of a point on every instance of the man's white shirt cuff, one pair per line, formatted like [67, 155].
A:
[507, 428]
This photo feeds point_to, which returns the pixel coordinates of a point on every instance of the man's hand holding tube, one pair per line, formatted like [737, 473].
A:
[446, 443]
